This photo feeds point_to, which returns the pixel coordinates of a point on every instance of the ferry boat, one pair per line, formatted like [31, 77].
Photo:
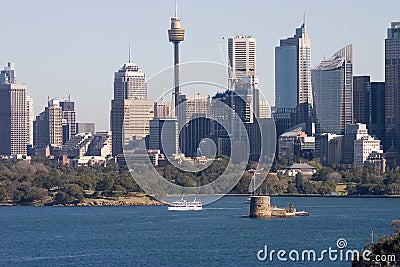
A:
[183, 204]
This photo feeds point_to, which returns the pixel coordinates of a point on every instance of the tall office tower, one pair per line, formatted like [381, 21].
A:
[30, 118]
[47, 127]
[164, 135]
[176, 34]
[13, 119]
[242, 57]
[8, 74]
[242, 72]
[377, 127]
[332, 82]
[69, 119]
[392, 84]
[130, 82]
[362, 99]
[293, 89]
[130, 109]
[55, 123]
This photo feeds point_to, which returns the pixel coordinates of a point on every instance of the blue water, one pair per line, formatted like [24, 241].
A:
[215, 236]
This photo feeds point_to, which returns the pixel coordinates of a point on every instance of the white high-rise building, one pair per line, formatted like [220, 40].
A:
[13, 119]
[242, 56]
[242, 73]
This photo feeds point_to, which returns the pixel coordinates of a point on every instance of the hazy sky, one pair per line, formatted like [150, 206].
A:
[74, 47]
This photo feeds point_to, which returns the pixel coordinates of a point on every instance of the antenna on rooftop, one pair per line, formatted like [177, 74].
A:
[129, 52]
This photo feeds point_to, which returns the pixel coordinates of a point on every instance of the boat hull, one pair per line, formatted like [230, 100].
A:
[184, 208]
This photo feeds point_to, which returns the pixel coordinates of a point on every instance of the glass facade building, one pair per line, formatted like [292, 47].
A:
[332, 81]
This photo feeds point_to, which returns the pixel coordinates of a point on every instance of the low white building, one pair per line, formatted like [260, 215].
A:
[363, 147]
[303, 168]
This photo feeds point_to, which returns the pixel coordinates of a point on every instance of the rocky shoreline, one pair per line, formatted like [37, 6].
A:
[112, 204]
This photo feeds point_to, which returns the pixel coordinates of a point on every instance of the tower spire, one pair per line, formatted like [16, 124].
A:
[176, 8]
[129, 52]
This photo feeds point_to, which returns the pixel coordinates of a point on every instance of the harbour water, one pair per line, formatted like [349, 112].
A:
[214, 236]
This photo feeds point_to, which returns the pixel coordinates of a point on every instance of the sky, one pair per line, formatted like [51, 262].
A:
[73, 47]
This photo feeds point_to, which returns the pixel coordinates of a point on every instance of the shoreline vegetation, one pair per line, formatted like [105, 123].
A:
[146, 200]
[43, 182]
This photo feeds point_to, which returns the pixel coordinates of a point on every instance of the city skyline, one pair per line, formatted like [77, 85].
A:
[86, 56]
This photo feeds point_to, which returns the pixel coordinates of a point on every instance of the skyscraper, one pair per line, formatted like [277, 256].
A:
[293, 89]
[242, 56]
[130, 82]
[332, 81]
[242, 72]
[47, 127]
[362, 99]
[392, 84]
[13, 119]
[377, 127]
[130, 109]
[69, 119]
[8, 74]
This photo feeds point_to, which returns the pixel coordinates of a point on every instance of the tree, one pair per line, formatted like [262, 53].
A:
[3, 193]
[299, 182]
[395, 226]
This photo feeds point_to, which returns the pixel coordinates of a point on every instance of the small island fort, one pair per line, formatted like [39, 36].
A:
[260, 207]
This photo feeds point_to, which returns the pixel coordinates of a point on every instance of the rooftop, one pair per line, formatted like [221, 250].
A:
[300, 166]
